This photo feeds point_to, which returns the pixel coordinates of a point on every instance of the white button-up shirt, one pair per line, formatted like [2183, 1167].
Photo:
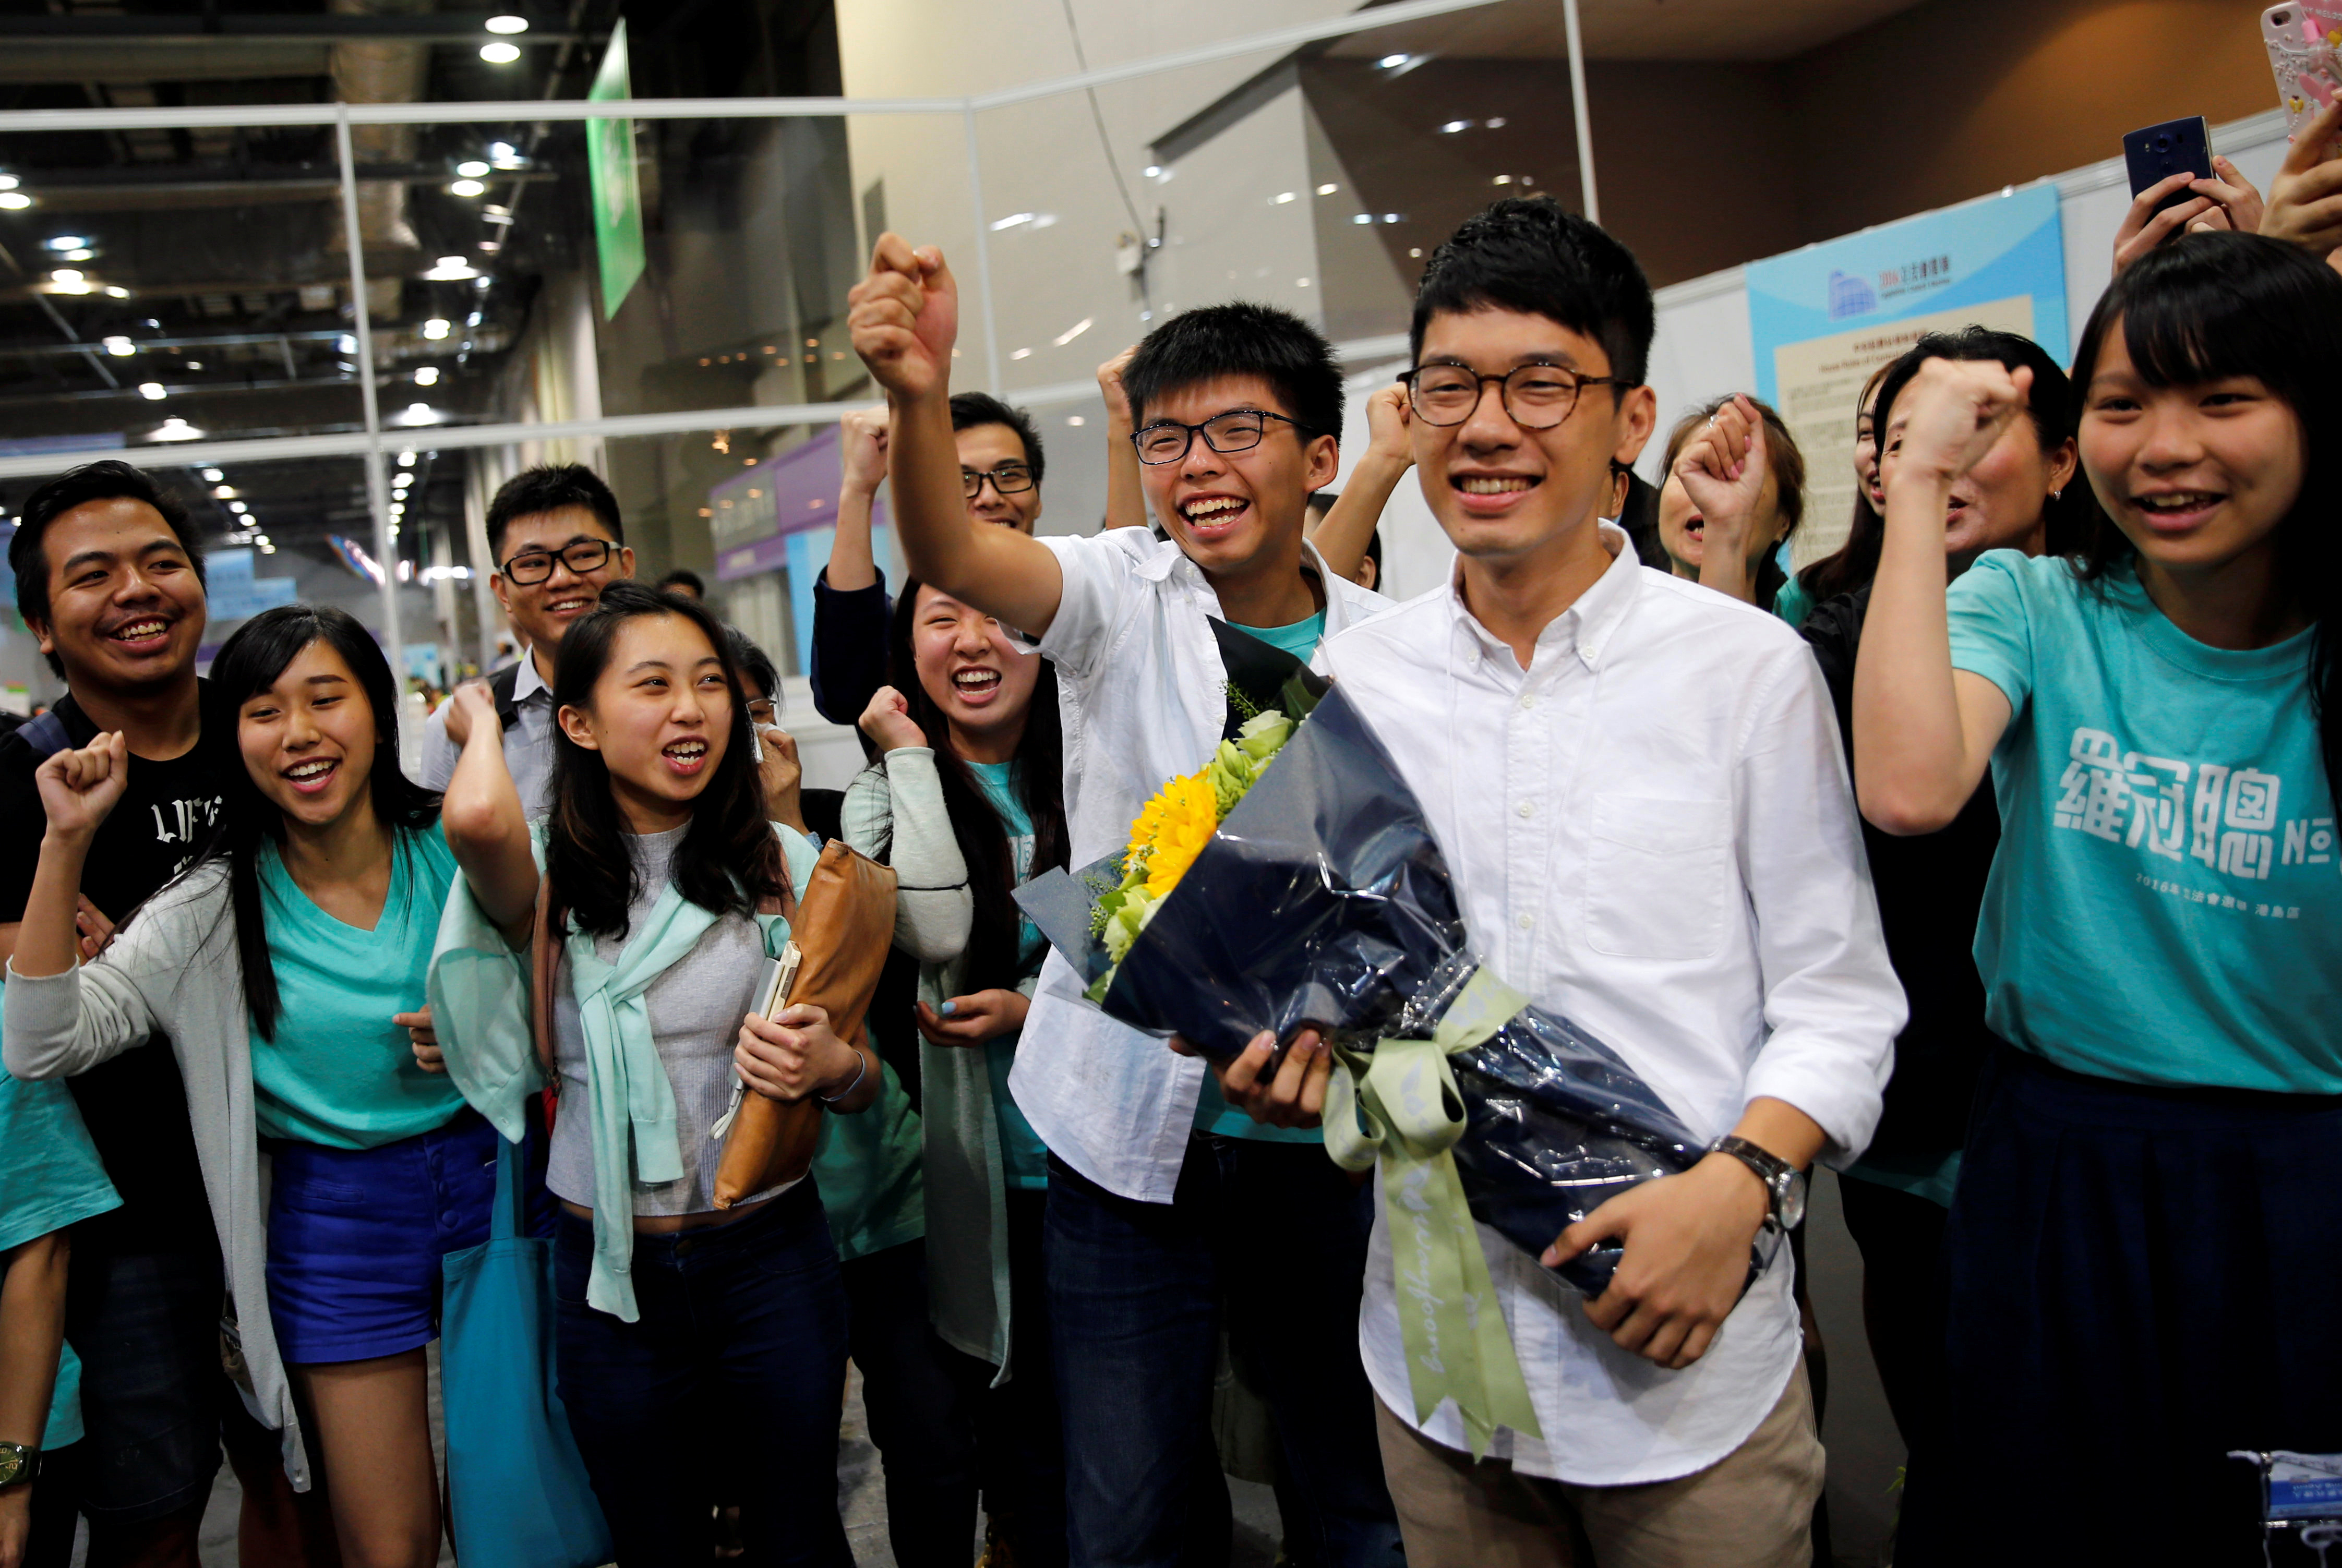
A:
[528, 744]
[1651, 833]
[1143, 692]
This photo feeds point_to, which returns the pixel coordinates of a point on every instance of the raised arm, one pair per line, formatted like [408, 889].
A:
[905, 317]
[1723, 471]
[482, 814]
[77, 789]
[1126, 493]
[933, 909]
[862, 441]
[1343, 535]
[1924, 732]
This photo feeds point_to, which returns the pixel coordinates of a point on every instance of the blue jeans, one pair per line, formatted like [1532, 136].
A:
[918, 1421]
[1275, 1232]
[736, 1367]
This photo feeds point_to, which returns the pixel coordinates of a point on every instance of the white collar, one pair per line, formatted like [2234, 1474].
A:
[1585, 628]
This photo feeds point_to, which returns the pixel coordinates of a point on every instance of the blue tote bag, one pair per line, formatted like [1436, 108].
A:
[518, 1488]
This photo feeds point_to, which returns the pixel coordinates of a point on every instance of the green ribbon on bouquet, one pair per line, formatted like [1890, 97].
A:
[1405, 1110]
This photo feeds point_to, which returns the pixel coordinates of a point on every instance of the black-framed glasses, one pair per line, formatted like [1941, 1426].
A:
[1536, 396]
[1008, 479]
[1237, 430]
[531, 567]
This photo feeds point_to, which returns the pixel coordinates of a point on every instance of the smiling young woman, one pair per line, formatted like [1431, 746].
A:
[302, 1034]
[2158, 935]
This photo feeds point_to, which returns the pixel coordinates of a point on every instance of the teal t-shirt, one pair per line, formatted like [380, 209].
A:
[868, 1170]
[1213, 1111]
[50, 1178]
[340, 1073]
[2166, 906]
[1792, 603]
[1023, 1158]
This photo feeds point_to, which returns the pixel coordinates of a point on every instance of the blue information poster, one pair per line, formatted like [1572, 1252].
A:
[1821, 319]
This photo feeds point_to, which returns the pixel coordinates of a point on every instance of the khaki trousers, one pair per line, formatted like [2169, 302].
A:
[1753, 1508]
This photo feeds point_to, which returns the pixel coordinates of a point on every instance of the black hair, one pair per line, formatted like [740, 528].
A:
[970, 409]
[729, 860]
[1374, 553]
[248, 665]
[992, 958]
[2208, 306]
[1241, 338]
[109, 479]
[1321, 501]
[755, 664]
[2050, 407]
[683, 577]
[535, 491]
[1530, 253]
[1855, 562]
[1788, 467]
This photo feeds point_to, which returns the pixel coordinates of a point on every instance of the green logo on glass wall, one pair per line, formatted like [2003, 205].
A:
[618, 194]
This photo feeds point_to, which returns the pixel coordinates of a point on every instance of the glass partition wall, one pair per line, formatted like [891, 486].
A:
[337, 328]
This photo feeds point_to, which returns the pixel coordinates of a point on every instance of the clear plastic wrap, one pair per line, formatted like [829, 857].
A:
[1323, 901]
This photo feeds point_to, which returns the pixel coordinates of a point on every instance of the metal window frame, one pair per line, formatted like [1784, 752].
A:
[370, 444]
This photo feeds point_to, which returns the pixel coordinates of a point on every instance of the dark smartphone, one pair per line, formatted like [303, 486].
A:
[2161, 151]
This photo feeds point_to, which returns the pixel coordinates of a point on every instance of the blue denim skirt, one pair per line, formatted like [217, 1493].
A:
[355, 1236]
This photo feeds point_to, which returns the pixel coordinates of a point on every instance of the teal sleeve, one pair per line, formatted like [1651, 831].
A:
[50, 1175]
[1792, 603]
[478, 989]
[1991, 633]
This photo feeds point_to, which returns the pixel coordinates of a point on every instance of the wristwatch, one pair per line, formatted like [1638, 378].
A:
[1784, 1182]
[18, 1464]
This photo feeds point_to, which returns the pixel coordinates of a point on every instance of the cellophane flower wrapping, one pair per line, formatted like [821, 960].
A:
[1323, 901]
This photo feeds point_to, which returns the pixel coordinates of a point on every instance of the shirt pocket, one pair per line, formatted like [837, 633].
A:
[1658, 876]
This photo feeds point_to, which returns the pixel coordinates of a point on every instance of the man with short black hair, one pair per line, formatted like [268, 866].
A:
[556, 540]
[684, 581]
[110, 581]
[1638, 787]
[1165, 1203]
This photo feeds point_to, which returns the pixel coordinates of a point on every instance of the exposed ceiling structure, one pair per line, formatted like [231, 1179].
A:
[1719, 30]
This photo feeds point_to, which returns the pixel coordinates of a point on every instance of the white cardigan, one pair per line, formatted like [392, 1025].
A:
[173, 971]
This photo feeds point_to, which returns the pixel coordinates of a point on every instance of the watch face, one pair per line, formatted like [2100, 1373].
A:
[1792, 1200]
[15, 1461]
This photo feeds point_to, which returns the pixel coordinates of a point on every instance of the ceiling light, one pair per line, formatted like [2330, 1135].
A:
[473, 319]
[116, 291]
[437, 327]
[499, 54]
[420, 413]
[1283, 196]
[1076, 419]
[7, 182]
[67, 242]
[1327, 189]
[1072, 332]
[427, 376]
[213, 474]
[1153, 170]
[1452, 127]
[346, 343]
[1022, 353]
[1390, 217]
[120, 347]
[1393, 62]
[174, 429]
[152, 390]
[238, 507]
[84, 253]
[1495, 122]
[467, 188]
[407, 460]
[195, 365]
[66, 275]
[452, 269]
[472, 168]
[1301, 282]
[1503, 179]
[1363, 218]
[503, 154]
[1011, 221]
[14, 201]
[507, 23]
[223, 492]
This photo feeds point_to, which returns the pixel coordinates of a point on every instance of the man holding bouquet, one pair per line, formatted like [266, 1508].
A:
[1164, 1201]
[1638, 785]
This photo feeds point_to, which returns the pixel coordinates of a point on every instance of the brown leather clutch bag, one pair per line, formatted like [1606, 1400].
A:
[843, 925]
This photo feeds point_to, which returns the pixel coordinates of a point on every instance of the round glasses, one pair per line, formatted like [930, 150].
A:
[1238, 430]
[1536, 396]
[1008, 479]
[531, 567]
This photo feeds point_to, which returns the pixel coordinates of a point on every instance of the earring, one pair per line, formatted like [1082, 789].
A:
[2057, 494]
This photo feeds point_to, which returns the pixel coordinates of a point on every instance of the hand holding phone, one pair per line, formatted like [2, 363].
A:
[2158, 153]
[2305, 50]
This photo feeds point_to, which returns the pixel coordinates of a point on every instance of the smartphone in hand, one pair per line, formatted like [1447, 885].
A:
[2302, 40]
[2158, 152]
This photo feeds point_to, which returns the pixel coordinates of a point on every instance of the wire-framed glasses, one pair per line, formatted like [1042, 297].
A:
[1237, 430]
[1536, 396]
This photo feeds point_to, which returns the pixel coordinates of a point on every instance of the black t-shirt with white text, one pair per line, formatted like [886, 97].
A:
[134, 1105]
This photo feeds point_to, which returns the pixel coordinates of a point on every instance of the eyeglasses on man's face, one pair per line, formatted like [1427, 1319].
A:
[1535, 396]
[531, 567]
[1007, 478]
[1237, 430]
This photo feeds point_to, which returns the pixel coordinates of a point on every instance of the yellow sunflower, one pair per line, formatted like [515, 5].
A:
[1173, 829]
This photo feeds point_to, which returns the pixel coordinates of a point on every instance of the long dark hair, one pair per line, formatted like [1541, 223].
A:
[1855, 562]
[249, 665]
[2050, 407]
[2208, 306]
[1037, 772]
[729, 860]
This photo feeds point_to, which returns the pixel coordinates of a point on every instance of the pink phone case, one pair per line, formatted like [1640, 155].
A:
[2302, 38]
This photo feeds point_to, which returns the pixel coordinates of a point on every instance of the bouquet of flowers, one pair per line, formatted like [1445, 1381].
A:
[1295, 882]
